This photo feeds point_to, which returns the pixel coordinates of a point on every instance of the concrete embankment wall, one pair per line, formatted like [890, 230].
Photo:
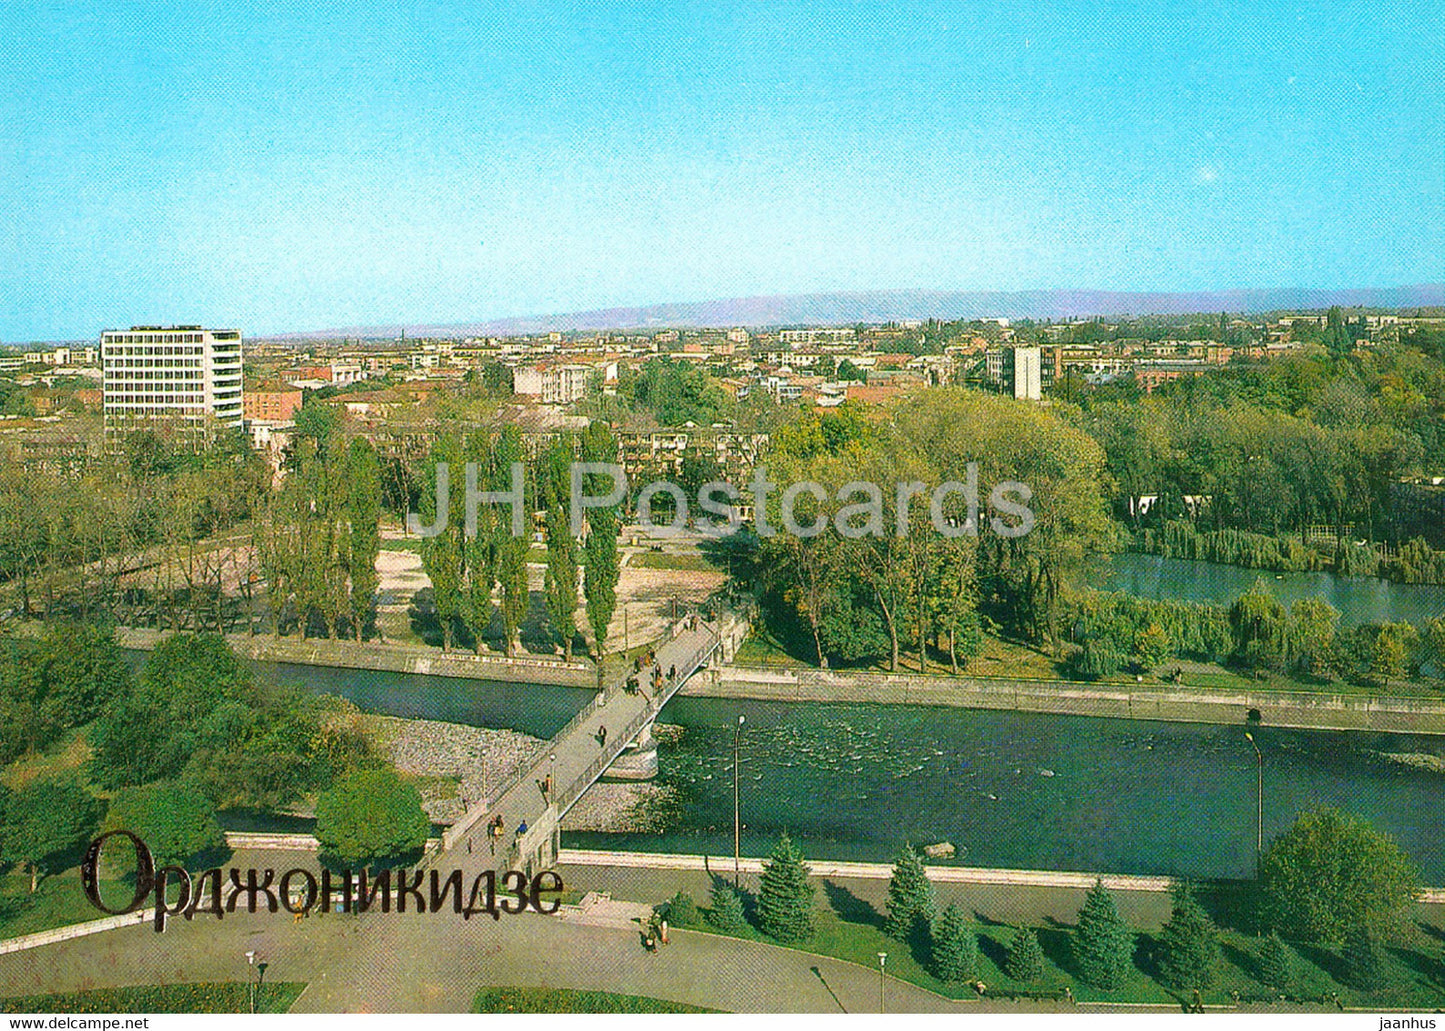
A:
[390, 658]
[1175, 704]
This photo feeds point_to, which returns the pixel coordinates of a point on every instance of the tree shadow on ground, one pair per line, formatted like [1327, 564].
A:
[536, 631]
[1230, 904]
[1057, 942]
[1248, 962]
[993, 948]
[1429, 968]
[1332, 963]
[849, 907]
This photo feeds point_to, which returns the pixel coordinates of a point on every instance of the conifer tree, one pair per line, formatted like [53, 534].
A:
[953, 947]
[785, 897]
[1024, 960]
[725, 907]
[1103, 943]
[1189, 943]
[1276, 963]
[910, 896]
[1364, 960]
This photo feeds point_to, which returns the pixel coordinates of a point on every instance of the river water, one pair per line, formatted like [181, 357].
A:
[1008, 789]
[1359, 599]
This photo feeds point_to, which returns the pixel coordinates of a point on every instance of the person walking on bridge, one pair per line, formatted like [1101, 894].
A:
[602, 736]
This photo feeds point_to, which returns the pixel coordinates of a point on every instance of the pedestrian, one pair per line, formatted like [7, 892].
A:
[672, 673]
[602, 737]
[522, 829]
[469, 846]
[662, 931]
[547, 787]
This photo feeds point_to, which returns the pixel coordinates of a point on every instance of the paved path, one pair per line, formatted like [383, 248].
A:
[574, 759]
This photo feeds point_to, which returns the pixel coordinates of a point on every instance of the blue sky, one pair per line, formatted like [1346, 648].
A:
[301, 166]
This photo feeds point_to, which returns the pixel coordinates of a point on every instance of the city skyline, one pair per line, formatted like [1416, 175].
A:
[297, 171]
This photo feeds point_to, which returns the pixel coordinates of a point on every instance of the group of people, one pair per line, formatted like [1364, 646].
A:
[655, 932]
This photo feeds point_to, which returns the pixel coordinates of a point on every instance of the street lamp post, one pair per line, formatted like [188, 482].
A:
[882, 961]
[737, 824]
[1259, 804]
[251, 981]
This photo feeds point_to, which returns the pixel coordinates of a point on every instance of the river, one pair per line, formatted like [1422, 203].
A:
[1009, 789]
[1359, 599]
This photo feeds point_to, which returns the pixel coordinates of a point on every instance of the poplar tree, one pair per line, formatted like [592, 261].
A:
[444, 556]
[561, 580]
[510, 548]
[364, 515]
[1024, 960]
[1103, 943]
[910, 896]
[785, 897]
[601, 564]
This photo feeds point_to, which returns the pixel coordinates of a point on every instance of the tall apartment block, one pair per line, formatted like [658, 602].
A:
[184, 378]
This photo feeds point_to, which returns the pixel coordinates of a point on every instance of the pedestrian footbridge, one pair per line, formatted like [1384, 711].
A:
[573, 760]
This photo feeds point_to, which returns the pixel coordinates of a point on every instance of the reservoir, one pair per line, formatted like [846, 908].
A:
[1359, 599]
[1008, 789]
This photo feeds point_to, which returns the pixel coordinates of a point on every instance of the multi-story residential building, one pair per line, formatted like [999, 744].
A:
[185, 376]
[1017, 370]
[551, 384]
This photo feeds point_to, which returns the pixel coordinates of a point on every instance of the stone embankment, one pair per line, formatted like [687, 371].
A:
[1179, 704]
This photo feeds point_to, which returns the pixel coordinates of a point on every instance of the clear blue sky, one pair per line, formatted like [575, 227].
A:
[310, 165]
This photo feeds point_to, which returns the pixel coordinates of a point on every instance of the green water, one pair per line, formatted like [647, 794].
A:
[1359, 599]
[1022, 789]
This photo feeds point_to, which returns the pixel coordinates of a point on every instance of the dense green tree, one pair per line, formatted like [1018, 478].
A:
[191, 693]
[1024, 960]
[1188, 944]
[445, 554]
[910, 896]
[1103, 944]
[370, 818]
[1260, 628]
[46, 821]
[680, 910]
[953, 947]
[785, 896]
[363, 544]
[174, 818]
[1275, 961]
[725, 907]
[1312, 633]
[1332, 872]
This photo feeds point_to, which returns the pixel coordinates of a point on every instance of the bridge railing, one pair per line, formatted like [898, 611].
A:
[574, 790]
[608, 756]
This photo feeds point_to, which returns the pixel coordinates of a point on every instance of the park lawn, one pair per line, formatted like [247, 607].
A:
[225, 997]
[1416, 980]
[57, 902]
[681, 562]
[567, 1000]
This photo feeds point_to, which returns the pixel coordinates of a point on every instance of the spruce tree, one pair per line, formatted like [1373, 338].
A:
[1103, 943]
[725, 908]
[785, 897]
[1276, 963]
[1024, 960]
[910, 896]
[1189, 944]
[1364, 960]
[952, 946]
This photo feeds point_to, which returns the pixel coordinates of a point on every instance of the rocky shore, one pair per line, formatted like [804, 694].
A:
[453, 762]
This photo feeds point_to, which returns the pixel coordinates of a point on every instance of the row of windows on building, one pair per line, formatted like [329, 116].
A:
[155, 338]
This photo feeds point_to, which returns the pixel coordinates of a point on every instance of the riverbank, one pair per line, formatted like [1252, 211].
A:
[386, 657]
[1169, 703]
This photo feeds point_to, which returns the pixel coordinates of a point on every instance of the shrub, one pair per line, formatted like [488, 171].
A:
[1024, 960]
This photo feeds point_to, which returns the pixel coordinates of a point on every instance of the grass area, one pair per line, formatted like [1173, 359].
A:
[686, 563]
[566, 1000]
[66, 755]
[1415, 978]
[225, 997]
[1011, 660]
[58, 901]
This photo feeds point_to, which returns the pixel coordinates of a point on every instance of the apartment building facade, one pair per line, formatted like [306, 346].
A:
[187, 378]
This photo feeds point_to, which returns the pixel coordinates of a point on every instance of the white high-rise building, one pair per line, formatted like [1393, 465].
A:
[186, 376]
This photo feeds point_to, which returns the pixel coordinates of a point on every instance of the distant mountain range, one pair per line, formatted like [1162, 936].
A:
[894, 305]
